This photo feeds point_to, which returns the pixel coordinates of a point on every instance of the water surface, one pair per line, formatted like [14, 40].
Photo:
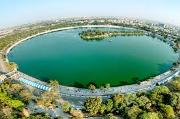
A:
[65, 57]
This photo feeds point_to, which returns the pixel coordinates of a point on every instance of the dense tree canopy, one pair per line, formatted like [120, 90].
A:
[161, 102]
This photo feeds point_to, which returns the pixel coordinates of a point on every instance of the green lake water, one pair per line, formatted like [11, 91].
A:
[65, 57]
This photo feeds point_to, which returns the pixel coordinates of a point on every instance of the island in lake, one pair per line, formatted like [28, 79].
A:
[100, 35]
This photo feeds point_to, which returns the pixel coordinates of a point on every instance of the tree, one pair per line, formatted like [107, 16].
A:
[54, 84]
[176, 84]
[47, 98]
[16, 87]
[168, 98]
[76, 114]
[133, 112]
[142, 101]
[149, 115]
[161, 90]
[110, 116]
[107, 85]
[10, 108]
[92, 105]
[92, 87]
[129, 99]
[174, 100]
[5, 86]
[39, 116]
[118, 99]
[17, 104]
[102, 109]
[177, 103]
[167, 111]
[25, 112]
[66, 106]
[25, 95]
[157, 94]
[109, 105]
[6, 112]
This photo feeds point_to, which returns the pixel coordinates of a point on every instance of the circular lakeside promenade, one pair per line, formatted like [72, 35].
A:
[79, 92]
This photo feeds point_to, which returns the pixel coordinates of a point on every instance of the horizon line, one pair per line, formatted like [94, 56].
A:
[88, 17]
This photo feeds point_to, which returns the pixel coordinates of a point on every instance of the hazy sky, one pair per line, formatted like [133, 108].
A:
[16, 12]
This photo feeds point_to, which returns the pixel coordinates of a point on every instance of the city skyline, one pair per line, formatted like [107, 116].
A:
[19, 12]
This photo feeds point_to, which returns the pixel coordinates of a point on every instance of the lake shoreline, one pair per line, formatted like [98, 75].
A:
[60, 29]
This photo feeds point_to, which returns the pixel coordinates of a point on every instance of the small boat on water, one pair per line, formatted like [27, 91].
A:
[109, 40]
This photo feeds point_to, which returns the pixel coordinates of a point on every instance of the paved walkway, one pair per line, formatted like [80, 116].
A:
[80, 92]
[144, 86]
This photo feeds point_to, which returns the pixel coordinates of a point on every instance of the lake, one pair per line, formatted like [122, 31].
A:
[65, 57]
